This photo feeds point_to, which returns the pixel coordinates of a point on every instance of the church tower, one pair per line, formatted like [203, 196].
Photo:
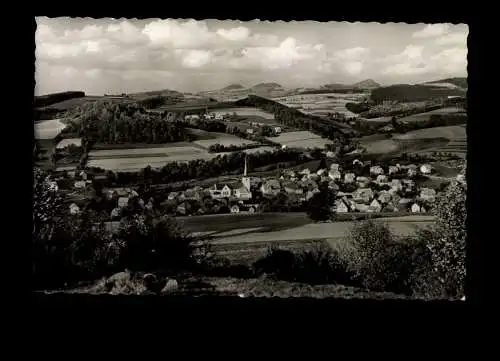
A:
[245, 179]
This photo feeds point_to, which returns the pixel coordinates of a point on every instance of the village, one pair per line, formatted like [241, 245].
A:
[364, 188]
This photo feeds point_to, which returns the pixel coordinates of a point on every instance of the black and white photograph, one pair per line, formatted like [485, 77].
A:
[250, 158]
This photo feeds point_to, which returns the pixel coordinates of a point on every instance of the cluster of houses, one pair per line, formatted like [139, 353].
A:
[381, 191]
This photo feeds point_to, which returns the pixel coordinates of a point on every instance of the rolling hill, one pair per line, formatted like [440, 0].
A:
[459, 82]
[267, 87]
[233, 87]
[367, 84]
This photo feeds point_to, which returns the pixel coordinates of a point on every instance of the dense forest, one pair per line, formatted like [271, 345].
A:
[412, 93]
[106, 122]
[46, 100]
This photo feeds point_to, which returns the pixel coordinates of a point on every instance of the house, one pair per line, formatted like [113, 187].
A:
[219, 191]
[270, 187]
[363, 195]
[375, 206]
[172, 195]
[393, 169]
[341, 206]
[122, 202]
[362, 181]
[384, 197]
[334, 166]
[334, 174]
[219, 116]
[115, 213]
[425, 169]
[235, 209]
[428, 194]
[412, 172]
[181, 208]
[382, 179]
[250, 131]
[320, 171]
[408, 184]
[349, 177]
[415, 208]
[80, 184]
[53, 187]
[376, 170]
[330, 154]
[396, 185]
[74, 209]
[277, 130]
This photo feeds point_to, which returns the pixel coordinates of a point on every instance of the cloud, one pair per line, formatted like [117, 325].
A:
[431, 31]
[102, 54]
[456, 38]
[235, 34]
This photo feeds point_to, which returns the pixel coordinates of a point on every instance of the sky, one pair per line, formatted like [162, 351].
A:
[114, 56]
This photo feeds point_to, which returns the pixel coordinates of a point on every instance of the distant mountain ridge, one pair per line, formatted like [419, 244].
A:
[460, 82]
[367, 84]
[234, 87]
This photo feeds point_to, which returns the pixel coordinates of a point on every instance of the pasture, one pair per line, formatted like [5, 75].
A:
[281, 227]
[321, 104]
[48, 129]
[424, 117]
[300, 139]
[221, 138]
[68, 141]
[246, 112]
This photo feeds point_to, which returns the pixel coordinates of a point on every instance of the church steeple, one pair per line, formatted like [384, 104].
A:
[245, 179]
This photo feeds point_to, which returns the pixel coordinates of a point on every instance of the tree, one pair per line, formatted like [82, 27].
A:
[448, 243]
[319, 207]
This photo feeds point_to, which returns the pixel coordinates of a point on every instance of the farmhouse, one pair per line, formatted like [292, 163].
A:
[341, 206]
[363, 195]
[270, 187]
[376, 170]
[349, 177]
[393, 169]
[426, 169]
[382, 179]
[115, 213]
[122, 202]
[220, 191]
[375, 206]
[334, 174]
[74, 209]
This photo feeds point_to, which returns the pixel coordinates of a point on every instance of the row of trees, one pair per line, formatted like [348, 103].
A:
[220, 148]
[231, 163]
[412, 93]
[296, 119]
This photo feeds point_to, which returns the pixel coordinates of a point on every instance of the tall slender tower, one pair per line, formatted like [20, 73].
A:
[245, 179]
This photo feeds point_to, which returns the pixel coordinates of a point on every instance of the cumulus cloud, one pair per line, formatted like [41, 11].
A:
[431, 30]
[103, 54]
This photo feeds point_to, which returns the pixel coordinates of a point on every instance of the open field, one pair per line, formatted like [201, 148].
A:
[246, 111]
[48, 129]
[65, 142]
[439, 139]
[424, 117]
[223, 139]
[301, 139]
[321, 104]
[264, 227]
